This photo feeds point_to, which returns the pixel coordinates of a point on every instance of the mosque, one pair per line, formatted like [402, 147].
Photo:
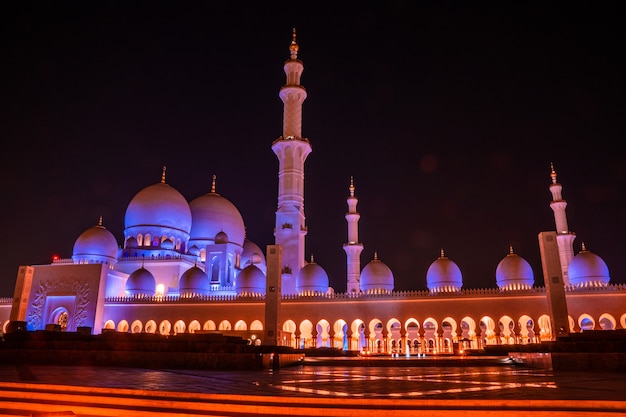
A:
[187, 266]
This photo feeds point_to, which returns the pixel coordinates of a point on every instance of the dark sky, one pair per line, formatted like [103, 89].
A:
[447, 114]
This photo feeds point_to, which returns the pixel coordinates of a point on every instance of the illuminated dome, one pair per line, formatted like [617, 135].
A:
[215, 220]
[95, 245]
[311, 279]
[514, 273]
[377, 277]
[444, 275]
[141, 282]
[250, 281]
[193, 282]
[253, 255]
[158, 210]
[588, 270]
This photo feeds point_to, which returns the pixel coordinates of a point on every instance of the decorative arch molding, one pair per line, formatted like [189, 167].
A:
[413, 340]
[151, 326]
[180, 327]
[449, 335]
[306, 334]
[194, 326]
[225, 325]
[78, 311]
[431, 337]
[165, 328]
[340, 339]
[241, 325]
[607, 322]
[359, 338]
[395, 336]
[545, 327]
[323, 338]
[136, 326]
[506, 326]
[123, 326]
[526, 327]
[209, 325]
[289, 327]
[586, 322]
[487, 327]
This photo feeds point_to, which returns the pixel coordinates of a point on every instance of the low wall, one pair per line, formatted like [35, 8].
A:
[184, 351]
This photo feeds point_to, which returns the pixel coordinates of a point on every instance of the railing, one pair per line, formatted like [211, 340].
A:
[470, 292]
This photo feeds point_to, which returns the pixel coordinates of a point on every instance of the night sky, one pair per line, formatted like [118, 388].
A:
[447, 114]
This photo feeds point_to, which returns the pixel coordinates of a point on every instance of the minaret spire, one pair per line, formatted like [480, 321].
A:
[293, 48]
[353, 247]
[564, 237]
[292, 150]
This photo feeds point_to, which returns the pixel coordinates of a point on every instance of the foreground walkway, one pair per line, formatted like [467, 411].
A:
[310, 390]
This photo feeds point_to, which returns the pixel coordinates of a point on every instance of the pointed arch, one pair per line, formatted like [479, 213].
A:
[306, 334]
[194, 326]
[209, 325]
[151, 326]
[136, 326]
[123, 326]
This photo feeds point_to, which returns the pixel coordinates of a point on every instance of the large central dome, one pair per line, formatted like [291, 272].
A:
[158, 211]
[159, 205]
[214, 215]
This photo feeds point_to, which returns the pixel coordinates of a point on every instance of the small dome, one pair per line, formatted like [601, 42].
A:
[311, 279]
[250, 280]
[588, 270]
[221, 237]
[253, 255]
[215, 220]
[95, 245]
[193, 282]
[141, 282]
[376, 276]
[158, 210]
[514, 273]
[444, 275]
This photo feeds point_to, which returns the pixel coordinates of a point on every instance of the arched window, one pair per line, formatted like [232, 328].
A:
[215, 270]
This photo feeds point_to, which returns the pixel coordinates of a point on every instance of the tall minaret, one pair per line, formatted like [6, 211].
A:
[353, 247]
[291, 149]
[564, 238]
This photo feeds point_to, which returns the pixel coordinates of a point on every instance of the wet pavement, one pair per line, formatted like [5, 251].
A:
[503, 381]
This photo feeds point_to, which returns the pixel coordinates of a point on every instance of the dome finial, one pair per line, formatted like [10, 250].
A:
[163, 174]
[375, 255]
[293, 48]
[351, 186]
[442, 255]
[312, 260]
[100, 221]
[511, 249]
[213, 184]
[552, 173]
[584, 248]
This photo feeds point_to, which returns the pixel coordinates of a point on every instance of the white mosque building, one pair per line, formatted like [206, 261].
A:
[187, 266]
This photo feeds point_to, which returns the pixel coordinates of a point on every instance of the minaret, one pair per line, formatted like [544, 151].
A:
[291, 149]
[353, 247]
[564, 238]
